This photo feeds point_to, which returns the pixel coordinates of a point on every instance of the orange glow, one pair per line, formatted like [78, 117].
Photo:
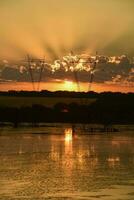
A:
[116, 159]
[68, 135]
[68, 162]
[65, 85]
[69, 85]
[112, 161]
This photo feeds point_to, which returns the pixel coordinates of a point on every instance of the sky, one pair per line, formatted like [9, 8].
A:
[52, 28]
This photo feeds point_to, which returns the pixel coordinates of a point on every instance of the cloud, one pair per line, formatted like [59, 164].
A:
[103, 69]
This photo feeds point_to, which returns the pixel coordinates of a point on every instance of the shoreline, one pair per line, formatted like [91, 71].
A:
[90, 129]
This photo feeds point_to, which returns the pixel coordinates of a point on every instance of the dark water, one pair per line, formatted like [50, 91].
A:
[37, 166]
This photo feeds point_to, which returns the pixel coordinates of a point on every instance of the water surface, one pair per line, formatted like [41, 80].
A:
[57, 166]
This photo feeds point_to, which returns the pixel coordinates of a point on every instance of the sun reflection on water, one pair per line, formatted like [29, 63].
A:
[68, 135]
[113, 161]
[52, 165]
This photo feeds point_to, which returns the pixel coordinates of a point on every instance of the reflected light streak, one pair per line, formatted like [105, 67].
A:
[20, 150]
[68, 162]
[68, 135]
[55, 154]
[113, 161]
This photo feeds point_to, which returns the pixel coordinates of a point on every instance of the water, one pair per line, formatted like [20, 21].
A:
[57, 166]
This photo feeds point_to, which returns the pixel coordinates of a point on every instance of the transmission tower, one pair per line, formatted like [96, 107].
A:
[30, 70]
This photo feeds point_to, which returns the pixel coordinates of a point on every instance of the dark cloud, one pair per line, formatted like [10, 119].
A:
[107, 70]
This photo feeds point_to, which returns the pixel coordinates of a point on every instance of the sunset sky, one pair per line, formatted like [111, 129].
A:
[52, 28]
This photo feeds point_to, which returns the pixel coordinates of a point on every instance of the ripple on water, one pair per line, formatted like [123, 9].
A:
[49, 167]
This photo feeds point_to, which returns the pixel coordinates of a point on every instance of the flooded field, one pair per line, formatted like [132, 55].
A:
[58, 165]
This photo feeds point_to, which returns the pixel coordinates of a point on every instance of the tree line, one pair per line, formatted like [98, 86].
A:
[109, 108]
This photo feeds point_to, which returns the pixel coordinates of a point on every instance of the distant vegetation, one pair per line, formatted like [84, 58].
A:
[106, 108]
[46, 93]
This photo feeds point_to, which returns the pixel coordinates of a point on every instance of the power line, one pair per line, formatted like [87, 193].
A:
[42, 63]
[30, 71]
[40, 75]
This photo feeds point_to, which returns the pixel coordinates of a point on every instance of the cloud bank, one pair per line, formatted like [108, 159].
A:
[79, 68]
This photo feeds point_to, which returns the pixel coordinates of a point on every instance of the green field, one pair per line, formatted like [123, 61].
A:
[45, 101]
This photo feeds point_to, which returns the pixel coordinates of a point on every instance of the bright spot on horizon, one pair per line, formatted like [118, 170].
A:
[69, 85]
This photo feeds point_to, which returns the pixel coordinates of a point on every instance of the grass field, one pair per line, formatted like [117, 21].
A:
[45, 101]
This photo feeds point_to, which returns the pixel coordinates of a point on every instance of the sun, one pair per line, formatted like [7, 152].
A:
[69, 85]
